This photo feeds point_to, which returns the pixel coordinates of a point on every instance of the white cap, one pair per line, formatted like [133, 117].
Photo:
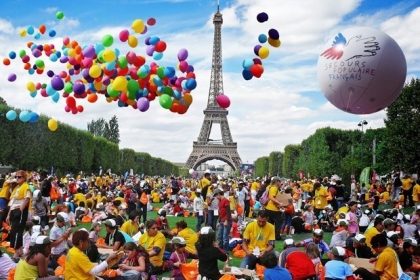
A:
[36, 194]
[391, 233]
[359, 237]
[206, 230]
[207, 171]
[400, 216]
[34, 236]
[289, 241]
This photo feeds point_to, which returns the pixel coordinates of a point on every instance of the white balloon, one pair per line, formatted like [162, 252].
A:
[362, 70]
[191, 171]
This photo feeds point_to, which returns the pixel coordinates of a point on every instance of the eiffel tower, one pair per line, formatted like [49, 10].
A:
[205, 149]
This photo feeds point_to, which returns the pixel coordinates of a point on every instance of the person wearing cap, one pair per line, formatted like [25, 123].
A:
[122, 215]
[198, 208]
[406, 256]
[94, 231]
[273, 206]
[213, 206]
[154, 242]
[41, 208]
[386, 265]
[33, 265]
[114, 239]
[359, 248]
[336, 268]
[407, 229]
[258, 238]
[59, 234]
[377, 228]
[389, 225]
[178, 257]
[340, 235]
[78, 265]
[225, 220]
[208, 254]
[317, 238]
[19, 205]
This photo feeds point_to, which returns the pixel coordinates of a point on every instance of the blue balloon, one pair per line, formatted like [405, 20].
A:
[99, 48]
[30, 30]
[33, 46]
[191, 84]
[56, 97]
[153, 40]
[33, 94]
[53, 57]
[52, 33]
[38, 35]
[24, 116]
[157, 55]
[50, 90]
[157, 81]
[247, 63]
[11, 115]
[177, 94]
[262, 38]
[246, 74]
[12, 55]
[31, 71]
[169, 72]
[34, 117]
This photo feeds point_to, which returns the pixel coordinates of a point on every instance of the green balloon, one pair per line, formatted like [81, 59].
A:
[68, 87]
[161, 72]
[133, 87]
[168, 91]
[59, 15]
[44, 85]
[122, 62]
[111, 92]
[165, 101]
[107, 40]
[22, 53]
[101, 57]
[141, 73]
[39, 63]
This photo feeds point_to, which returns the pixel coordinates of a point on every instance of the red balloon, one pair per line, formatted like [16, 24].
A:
[174, 108]
[160, 46]
[123, 97]
[80, 108]
[151, 96]
[151, 21]
[140, 60]
[182, 109]
[257, 70]
[223, 101]
[71, 102]
[74, 111]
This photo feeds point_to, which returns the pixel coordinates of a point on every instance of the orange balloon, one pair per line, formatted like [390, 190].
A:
[67, 79]
[188, 99]
[46, 48]
[78, 49]
[29, 44]
[174, 108]
[27, 66]
[74, 44]
[42, 28]
[6, 61]
[39, 71]
[131, 102]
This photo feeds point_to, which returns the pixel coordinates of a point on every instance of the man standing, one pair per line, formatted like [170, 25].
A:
[225, 220]
[259, 238]
[45, 185]
[396, 187]
[273, 206]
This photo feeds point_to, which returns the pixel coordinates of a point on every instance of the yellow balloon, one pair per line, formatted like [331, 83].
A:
[131, 102]
[132, 41]
[274, 43]
[188, 99]
[109, 99]
[69, 66]
[52, 125]
[119, 84]
[95, 71]
[109, 55]
[97, 85]
[71, 53]
[263, 52]
[138, 26]
[31, 86]
[22, 33]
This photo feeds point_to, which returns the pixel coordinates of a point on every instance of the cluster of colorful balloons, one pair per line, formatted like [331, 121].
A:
[254, 67]
[101, 69]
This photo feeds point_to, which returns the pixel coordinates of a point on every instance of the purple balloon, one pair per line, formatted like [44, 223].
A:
[89, 51]
[261, 17]
[71, 72]
[147, 41]
[50, 73]
[78, 88]
[149, 50]
[143, 104]
[145, 30]
[257, 49]
[64, 59]
[182, 54]
[36, 53]
[12, 77]
[57, 83]
[190, 69]
[106, 81]
[274, 34]
[85, 73]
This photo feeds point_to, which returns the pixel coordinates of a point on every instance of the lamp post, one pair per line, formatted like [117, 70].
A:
[278, 165]
[362, 124]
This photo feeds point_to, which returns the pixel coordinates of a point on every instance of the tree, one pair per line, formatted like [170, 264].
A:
[109, 130]
[402, 123]
[97, 128]
[2, 101]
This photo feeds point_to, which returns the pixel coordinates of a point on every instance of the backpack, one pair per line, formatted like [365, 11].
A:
[300, 265]
[264, 197]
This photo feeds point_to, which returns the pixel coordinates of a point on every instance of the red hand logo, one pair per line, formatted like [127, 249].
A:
[335, 52]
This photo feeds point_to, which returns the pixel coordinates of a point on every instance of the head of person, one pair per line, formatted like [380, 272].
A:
[62, 220]
[353, 206]
[162, 214]
[151, 227]
[288, 242]
[218, 194]
[207, 174]
[339, 253]
[80, 239]
[110, 225]
[20, 177]
[42, 245]
[134, 216]
[131, 250]
[318, 235]
[207, 238]
[37, 195]
[312, 251]
[317, 185]
[409, 245]
[180, 225]
[389, 224]
[359, 240]
[275, 181]
[379, 243]
[179, 244]
[378, 223]
[262, 218]
[96, 226]
[269, 260]
[122, 209]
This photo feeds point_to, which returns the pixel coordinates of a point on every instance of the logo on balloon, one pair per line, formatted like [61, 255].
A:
[361, 70]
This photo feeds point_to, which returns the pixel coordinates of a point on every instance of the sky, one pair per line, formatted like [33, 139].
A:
[284, 106]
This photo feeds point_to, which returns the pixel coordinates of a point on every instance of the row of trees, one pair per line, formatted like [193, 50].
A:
[346, 152]
[109, 130]
[32, 146]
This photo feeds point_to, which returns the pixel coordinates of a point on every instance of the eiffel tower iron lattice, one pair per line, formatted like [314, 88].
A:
[205, 149]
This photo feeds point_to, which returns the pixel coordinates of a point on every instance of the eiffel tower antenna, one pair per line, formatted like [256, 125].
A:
[205, 149]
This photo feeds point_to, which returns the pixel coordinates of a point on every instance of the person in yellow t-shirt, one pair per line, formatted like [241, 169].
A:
[386, 266]
[320, 198]
[377, 228]
[155, 196]
[78, 265]
[259, 236]
[416, 193]
[273, 206]
[384, 197]
[407, 183]
[79, 196]
[131, 226]
[154, 242]
[188, 234]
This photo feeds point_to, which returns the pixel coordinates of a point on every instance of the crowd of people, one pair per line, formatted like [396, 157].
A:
[232, 217]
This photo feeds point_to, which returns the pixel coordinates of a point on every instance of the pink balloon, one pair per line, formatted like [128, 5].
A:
[67, 109]
[124, 34]
[223, 101]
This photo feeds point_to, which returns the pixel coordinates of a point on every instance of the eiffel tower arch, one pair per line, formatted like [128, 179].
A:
[204, 149]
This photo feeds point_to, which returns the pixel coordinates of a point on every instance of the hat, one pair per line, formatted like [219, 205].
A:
[240, 183]
[216, 192]
[388, 222]
[380, 216]
[122, 207]
[400, 216]
[335, 177]
[63, 217]
[36, 218]
[412, 241]
[367, 211]
[83, 229]
[207, 171]
[110, 223]
[33, 238]
[162, 212]
[198, 191]
[338, 251]
[391, 233]
[289, 241]
[275, 178]
[206, 230]
[418, 207]
[213, 185]
[94, 225]
[342, 214]
[318, 232]
[36, 194]
[42, 240]
[342, 222]
[407, 217]
[359, 238]
[179, 241]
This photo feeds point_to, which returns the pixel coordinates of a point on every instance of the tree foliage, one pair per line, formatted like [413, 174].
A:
[109, 130]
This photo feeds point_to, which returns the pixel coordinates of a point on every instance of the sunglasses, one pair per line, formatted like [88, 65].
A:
[18, 177]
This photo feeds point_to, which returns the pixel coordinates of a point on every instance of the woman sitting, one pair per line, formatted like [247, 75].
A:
[154, 242]
[33, 265]
[136, 263]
